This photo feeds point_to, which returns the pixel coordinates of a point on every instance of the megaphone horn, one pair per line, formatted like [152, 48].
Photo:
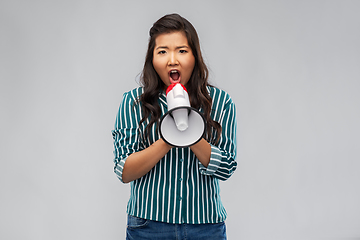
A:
[182, 125]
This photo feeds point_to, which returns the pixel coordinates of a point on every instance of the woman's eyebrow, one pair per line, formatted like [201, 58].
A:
[161, 47]
[185, 46]
[166, 47]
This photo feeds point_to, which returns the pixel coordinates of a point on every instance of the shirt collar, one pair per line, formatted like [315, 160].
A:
[162, 97]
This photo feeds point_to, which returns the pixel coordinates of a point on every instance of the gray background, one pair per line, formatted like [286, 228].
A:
[292, 68]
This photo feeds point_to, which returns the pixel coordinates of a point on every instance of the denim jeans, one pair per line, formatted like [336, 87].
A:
[142, 229]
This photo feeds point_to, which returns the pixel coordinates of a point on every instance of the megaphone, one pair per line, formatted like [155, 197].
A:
[182, 125]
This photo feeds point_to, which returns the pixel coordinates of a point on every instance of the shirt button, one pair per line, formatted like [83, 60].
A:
[180, 179]
[181, 160]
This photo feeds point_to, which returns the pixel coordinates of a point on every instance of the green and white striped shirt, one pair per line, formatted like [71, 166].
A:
[179, 189]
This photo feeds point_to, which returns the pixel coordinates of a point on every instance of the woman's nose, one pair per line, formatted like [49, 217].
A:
[172, 59]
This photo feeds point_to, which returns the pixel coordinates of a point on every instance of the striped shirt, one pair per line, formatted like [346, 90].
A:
[179, 189]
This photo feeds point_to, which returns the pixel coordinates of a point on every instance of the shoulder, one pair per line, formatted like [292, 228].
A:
[133, 94]
[220, 96]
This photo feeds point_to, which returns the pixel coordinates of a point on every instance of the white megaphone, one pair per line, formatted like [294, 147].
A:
[182, 125]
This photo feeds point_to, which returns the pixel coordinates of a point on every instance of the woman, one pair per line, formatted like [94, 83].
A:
[174, 191]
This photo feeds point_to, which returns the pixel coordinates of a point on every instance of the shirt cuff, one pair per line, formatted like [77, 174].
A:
[119, 169]
[215, 161]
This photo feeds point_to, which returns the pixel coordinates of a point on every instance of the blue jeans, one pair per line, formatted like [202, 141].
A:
[142, 229]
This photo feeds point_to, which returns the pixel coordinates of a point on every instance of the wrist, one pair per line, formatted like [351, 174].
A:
[163, 144]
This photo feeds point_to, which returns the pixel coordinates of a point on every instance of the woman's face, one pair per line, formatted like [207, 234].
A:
[173, 59]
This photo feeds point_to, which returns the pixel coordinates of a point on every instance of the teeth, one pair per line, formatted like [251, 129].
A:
[173, 71]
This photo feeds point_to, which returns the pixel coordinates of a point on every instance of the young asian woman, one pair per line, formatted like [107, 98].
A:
[174, 192]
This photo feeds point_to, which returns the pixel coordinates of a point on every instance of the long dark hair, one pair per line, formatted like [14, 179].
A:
[196, 86]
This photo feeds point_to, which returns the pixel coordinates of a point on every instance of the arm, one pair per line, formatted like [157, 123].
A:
[140, 163]
[132, 159]
[219, 161]
[202, 150]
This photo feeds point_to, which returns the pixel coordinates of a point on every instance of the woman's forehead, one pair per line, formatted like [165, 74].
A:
[171, 39]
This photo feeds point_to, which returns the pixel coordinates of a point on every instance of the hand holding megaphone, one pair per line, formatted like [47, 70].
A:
[182, 125]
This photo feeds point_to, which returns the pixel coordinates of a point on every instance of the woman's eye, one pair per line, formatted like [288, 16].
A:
[162, 52]
[183, 51]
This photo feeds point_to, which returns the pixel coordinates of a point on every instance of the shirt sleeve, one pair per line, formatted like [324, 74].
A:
[222, 160]
[126, 133]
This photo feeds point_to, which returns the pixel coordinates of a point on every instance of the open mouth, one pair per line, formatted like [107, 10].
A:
[174, 76]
